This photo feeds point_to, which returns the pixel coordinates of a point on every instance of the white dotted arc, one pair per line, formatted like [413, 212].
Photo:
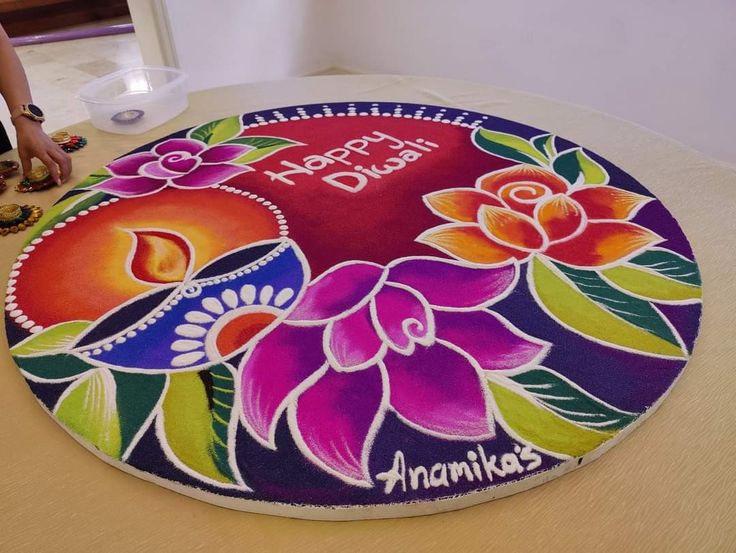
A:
[16, 313]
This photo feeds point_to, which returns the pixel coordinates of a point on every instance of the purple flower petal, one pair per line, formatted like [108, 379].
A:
[155, 171]
[129, 166]
[207, 175]
[178, 145]
[450, 284]
[134, 186]
[181, 163]
[337, 290]
[438, 391]
[490, 339]
[337, 419]
[279, 363]
[403, 317]
[353, 340]
[224, 152]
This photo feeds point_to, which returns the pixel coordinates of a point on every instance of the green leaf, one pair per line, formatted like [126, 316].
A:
[570, 402]
[543, 428]
[508, 146]
[55, 337]
[217, 131]
[63, 209]
[95, 178]
[669, 264]
[583, 301]
[196, 415]
[137, 395]
[52, 368]
[576, 164]
[545, 145]
[647, 284]
[264, 147]
[88, 408]
[222, 395]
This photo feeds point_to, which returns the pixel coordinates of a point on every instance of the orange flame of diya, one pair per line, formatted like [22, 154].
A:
[159, 257]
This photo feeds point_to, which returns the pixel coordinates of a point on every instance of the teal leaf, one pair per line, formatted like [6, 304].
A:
[575, 165]
[570, 402]
[588, 306]
[545, 145]
[53, 338]
[196, 424]
[52, 368]
[670, 265]
[223, 394]
[217, 131]
[263, 146]
[137, 395]
[508, 146]
[635, 311]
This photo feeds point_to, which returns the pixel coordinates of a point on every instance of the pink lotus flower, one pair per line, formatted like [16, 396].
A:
[179, 162]
[412, 337]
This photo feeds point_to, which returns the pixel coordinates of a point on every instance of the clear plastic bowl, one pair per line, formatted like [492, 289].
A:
[133, 101]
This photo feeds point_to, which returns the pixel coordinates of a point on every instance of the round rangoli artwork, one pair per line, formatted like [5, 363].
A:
[353, 310]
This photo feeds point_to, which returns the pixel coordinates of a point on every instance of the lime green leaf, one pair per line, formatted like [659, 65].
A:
[650, 285]
[88, 408]
[508, 146]
[583, 301]
[60, 211]
[52, 368]
[545, 145]
[217, 131]
[95, 178]
[52, 338]
[263, 146]
[575, 165]
[669, 264]
[570, 402]
[137, 395]
[196, 412]
[543, 428]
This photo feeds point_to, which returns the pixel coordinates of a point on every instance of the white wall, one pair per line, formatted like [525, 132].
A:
[669, 65]
[223, 42]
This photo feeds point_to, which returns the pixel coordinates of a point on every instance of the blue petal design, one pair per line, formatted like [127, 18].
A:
[171, 334]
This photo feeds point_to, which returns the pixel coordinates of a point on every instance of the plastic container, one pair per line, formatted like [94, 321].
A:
[133, 101]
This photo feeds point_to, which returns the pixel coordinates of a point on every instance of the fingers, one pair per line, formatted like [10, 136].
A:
[53, 168]
[25, 162]
[64, 161]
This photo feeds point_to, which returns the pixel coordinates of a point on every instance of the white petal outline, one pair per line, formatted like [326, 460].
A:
[406, 323]
[373, 429]
[483, 390]
[466, 265]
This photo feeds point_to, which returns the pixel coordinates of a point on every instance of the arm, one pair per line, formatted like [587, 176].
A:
[32, 141]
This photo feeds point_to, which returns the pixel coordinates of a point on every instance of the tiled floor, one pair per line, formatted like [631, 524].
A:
[57, 70]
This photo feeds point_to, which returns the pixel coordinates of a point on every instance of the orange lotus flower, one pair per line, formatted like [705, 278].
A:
[525, 210]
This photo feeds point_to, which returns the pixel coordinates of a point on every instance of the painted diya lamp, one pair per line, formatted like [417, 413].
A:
[15, 218]
[39, 179]
[8, 168]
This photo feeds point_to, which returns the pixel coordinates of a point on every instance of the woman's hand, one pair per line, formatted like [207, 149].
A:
[33, 142]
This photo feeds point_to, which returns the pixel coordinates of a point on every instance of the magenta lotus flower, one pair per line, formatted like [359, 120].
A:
[413, 337]
[179, 162]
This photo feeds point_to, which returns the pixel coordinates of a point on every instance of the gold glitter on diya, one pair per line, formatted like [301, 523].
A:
[15, 218]
[38, 179]
[61, 137]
